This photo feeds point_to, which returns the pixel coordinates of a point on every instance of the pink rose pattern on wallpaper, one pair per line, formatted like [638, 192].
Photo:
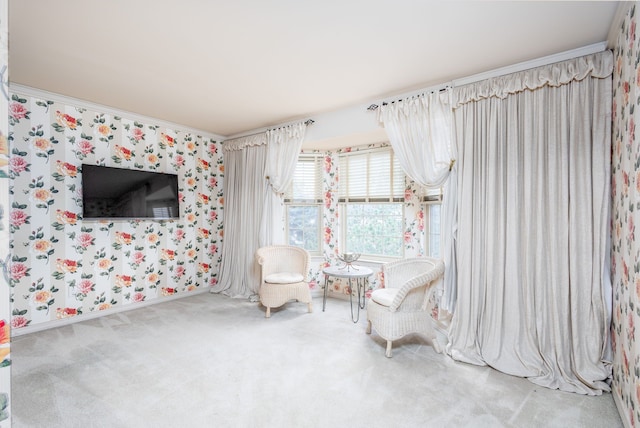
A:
[625, 263]
[63, 266]
[5, 309]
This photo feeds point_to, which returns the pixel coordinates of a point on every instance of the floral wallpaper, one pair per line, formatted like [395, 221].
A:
[63, 266]
[5, 308]
[414, 226]
[625, 257]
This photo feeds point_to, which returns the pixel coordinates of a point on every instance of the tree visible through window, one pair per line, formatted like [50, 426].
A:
[374, 229]
[370, 201]
[371, 193]
[304, 226]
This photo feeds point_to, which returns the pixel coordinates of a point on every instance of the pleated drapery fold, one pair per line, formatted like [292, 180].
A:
[257, 169]
[246, 190]
[533, 203]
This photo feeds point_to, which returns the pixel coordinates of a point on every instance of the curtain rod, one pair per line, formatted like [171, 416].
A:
[521, 66]
[306, 122]
[384, 103]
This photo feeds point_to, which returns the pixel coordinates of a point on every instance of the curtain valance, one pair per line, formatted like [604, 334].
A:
[243, 142]
[275, 136]
[598, 65]
[285, 134]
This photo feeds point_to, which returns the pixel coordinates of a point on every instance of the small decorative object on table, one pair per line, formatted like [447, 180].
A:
[348, 259]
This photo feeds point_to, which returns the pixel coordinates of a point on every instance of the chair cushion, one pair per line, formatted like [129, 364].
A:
[284, 278]
[384, 296]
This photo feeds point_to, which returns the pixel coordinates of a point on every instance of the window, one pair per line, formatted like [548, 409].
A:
[432, 229]
[374, 229]
[371, 196]
[303, 203]
[432, 206]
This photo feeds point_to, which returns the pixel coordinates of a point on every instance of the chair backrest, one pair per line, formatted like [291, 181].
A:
[282, 258]
[413, 277]
[397, 273]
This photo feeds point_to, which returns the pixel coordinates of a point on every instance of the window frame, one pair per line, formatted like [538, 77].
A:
[313, 198]
[342, 207]
[427, 204]
[397, 180]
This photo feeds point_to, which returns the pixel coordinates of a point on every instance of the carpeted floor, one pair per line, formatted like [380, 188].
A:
[211, 361]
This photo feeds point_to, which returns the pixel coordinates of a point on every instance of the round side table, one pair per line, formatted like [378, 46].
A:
[360, 274]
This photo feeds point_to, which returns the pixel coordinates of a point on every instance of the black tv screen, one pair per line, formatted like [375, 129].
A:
[127, 193]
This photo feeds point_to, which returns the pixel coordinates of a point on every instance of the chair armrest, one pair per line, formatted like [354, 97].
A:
[413, 292]
[399, 272]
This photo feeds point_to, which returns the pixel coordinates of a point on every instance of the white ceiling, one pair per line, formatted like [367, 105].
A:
[227, 67]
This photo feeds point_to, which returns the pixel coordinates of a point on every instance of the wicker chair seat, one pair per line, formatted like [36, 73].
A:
[401, 307]
[283, 276]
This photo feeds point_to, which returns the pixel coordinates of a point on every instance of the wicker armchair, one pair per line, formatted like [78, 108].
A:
[283, 276]
[401, 307]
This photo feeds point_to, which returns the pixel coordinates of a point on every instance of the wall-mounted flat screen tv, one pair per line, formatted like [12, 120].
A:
[109, 192]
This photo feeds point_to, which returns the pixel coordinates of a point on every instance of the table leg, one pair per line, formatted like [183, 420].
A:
[362, 300]
[357, 317]
[324, 297]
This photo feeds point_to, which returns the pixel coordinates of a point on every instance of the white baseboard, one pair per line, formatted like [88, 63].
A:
[97, 314]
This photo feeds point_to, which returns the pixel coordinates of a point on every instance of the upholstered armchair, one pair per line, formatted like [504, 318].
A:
[283, 276]
[402, 307]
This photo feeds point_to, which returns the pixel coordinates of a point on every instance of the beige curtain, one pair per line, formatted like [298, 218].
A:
[257, 170]
[245, 192]
[533, 204]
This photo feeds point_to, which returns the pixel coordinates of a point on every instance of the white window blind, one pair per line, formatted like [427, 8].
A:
[306, 185]
[371, 176]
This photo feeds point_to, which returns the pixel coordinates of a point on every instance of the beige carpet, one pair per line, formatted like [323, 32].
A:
[211, 361]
